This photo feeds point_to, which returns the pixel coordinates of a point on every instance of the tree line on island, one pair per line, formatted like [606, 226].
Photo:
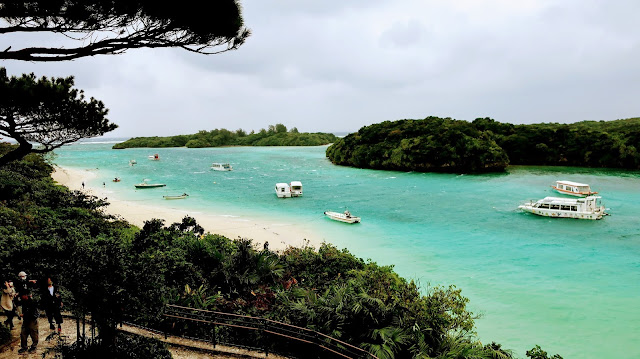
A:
[485, 145]
[274, 135]
[115, 271]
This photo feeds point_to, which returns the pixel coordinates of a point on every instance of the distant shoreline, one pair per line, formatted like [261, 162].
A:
[279, 236]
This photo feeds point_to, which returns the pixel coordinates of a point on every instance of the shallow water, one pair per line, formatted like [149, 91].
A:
[571, 286]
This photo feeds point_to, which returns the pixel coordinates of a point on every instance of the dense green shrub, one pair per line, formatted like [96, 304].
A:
[276, 136]
[126, 346]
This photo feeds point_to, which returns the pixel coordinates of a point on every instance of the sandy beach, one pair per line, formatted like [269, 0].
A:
[280, 235]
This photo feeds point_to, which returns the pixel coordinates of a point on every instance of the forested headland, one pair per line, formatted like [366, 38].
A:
[115, 271]
[275, 135]
[485, 145]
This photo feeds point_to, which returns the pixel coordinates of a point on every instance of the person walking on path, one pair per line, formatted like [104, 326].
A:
[29, 328]
[23, 287]
[52, 304]
[8, 293]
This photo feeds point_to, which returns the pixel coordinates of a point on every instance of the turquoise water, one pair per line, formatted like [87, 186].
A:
[571, 286]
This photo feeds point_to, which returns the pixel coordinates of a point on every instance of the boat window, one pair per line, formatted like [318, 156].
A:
[544, 205]
[574, 208]
[554, 206]
[565, 208]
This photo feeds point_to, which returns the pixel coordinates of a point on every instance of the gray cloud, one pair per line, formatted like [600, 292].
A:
[340, 65]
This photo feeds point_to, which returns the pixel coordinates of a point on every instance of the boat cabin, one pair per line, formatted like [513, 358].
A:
[573, 188]
[283, 190]
[296, 188]
[154, 157]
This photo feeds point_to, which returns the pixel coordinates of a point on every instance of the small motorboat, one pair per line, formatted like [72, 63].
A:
[154, 157]
[221, 167]
[345, 217]
[132, 162]
[149, 185]
[117, 179]
[182, 196]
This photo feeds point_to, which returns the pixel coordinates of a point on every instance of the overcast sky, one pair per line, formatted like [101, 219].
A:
[337, 65]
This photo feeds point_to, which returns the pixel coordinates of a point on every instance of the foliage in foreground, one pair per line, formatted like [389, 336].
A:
[275, 136]
[118, 272]
[125, 346]
[484, 145]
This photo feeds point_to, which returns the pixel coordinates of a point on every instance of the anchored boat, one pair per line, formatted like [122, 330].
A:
[573, 188]
[345, 217]
[556, 207]
[149, 185]
[221, 167]
[182, 196]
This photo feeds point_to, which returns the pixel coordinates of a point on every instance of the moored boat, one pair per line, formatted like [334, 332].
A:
[296, 188]
[345, 217]
[149, 185]
[117, 179]
[283, 190]
[221, 167]
[132, 162]
[557, 207]
[181, 196]
[573, 188]
[154, 157]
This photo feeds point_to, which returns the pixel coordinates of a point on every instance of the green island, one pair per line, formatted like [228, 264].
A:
[118, 272]
[275, 135]
[446, 145]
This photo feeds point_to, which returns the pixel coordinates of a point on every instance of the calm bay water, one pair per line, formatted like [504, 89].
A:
[571, 286]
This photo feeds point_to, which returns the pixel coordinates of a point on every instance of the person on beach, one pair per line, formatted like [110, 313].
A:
[52, 304]
[83, 185]
[8, 294]
[29, 328]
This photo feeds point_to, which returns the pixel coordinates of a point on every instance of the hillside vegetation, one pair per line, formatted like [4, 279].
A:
[485, 145]
[114, 271]
[274, 136]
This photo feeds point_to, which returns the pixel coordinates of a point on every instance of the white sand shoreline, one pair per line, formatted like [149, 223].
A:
[280, 235]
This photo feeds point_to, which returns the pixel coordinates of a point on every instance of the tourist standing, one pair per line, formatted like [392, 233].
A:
[29, 328]
[52, 304]
[8, 293]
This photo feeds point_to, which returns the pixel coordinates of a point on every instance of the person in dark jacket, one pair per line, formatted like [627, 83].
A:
[52, 303]
[30, 316]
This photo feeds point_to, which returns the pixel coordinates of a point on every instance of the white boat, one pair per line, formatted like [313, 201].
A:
[132, 162]
[221, 167]
[557, 207]
[573, 188]
[283, 190]
[149, 185]
[296, 188]
[345, 217]
[182, 196]
[155, 157]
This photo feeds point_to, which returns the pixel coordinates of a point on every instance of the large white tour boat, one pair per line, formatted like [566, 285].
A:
[556, 207]
[221, 167]
[283, 190]
[345, 217]
[573, 188]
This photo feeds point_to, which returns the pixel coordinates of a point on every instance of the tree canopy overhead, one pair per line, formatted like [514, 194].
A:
[48, 112]
[113, 26]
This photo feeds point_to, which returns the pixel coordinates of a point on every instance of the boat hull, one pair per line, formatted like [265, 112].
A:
[575, 194]
[554, 213]
[152, 185]
[174, 197]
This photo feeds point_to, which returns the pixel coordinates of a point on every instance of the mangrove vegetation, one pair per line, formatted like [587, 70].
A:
[485, 145]
[275, 135]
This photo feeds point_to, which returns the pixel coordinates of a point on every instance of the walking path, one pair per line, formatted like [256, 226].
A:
[180, 348]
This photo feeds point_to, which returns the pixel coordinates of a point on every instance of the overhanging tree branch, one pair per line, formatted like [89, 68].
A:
[114, 26]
